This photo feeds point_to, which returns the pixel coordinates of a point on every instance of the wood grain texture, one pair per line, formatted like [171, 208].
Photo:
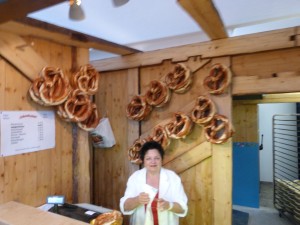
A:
[14, 9]
[207, 17]
[21, 54]
[265, 41]
[43, 30]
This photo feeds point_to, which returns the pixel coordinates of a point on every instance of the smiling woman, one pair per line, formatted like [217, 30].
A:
[154, 195]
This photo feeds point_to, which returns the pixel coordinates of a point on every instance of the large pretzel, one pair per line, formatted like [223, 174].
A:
[50, 88]
[179, 127]
[158, 94]
[180, 79]
[86, 79]
[218, 130]
[138, 109]
[218, 79]
[134, 152]
[203, 111]
[34, 90]
[160, 135]
[78, 106]
[92, 121]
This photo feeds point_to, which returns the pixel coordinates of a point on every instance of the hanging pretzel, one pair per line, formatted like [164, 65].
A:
[180, 79]
[134, 152]
[34, 91]
[92, 121]
[179, 127]
[50, 88]
[78, 106]
[138, 109]
[158, 94]
[218, 130]
[86, 79]
[218, 79]
[160, 135]
[203, 111]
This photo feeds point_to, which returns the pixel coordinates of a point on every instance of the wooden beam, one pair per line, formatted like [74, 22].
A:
[36, 28]
[21, 55]
[16, 9]
[271, 40]
[206, 15]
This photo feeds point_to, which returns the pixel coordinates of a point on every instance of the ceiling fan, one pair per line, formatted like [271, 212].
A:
[76, 12]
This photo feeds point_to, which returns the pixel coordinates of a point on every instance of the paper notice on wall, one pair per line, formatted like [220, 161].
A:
[26, 131]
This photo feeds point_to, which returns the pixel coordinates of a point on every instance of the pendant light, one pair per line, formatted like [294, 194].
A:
[75, 11]
[118, 3]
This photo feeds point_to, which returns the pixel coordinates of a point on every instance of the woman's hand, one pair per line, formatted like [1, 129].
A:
[143, 198]
[163, 204]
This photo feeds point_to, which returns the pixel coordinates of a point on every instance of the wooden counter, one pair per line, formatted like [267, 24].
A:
[13, 213]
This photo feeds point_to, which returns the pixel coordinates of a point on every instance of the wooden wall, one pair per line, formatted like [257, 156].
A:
[29, 178]
[268, 66]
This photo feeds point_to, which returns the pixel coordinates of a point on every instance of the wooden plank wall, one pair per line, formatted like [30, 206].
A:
[269, 66]
[112, 167]
[29, 178]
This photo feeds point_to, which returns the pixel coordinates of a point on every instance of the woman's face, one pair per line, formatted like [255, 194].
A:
[152, 160]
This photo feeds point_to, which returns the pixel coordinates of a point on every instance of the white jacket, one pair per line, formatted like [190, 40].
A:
[170, 189]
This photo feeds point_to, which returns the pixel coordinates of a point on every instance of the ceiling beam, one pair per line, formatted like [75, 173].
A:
[206, 15]
[35, 28]
[16, 9]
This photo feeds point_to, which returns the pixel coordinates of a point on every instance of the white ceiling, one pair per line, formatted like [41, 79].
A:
[154, 24]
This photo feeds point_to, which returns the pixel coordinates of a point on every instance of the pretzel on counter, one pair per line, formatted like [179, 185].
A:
[218, 79]
[179, 127]
[158, 94]
[134, 151]
[138, 108]
[203, 111]
[78, 106]
[51, 87]
[92, 121]
[108, 218]
[86, 79]
[180, 79]
[218, 130]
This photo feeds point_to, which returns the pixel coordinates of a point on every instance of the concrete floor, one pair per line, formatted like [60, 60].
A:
[266, 214]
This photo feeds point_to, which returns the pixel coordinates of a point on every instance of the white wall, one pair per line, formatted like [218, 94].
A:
[265, 114]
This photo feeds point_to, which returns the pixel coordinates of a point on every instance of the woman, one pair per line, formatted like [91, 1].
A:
[154, 195]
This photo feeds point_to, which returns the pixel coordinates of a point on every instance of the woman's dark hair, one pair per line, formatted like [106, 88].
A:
[151, 145]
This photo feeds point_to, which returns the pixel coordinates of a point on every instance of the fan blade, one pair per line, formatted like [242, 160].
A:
[118, 3]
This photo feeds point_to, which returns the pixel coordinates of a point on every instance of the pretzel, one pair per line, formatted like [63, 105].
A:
[108, 218]
[78, 106]
[34, 91]
[160, 135]
[138, 109]
[50, 88]
[203, 111]
[218, 79]
[158, 94]
[179, 127]
[61, 112]
[218, 130]
[92, 121]
[55, 88]
[86, 79]
[180, 79]
[134, 152]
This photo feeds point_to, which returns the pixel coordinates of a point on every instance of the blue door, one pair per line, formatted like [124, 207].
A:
[246, 174]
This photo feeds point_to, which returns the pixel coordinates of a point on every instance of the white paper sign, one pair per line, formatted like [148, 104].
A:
[26, 131]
